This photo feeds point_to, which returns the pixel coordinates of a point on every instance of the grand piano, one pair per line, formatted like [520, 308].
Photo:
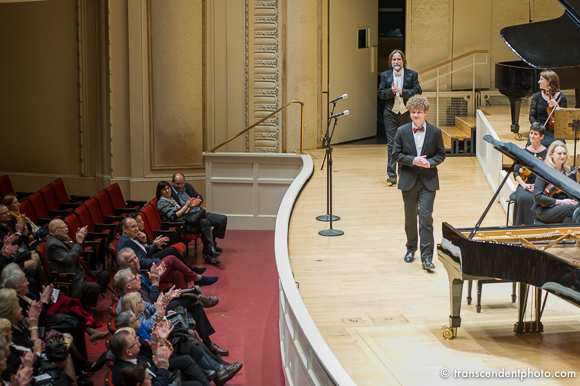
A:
[551, 44]
[545, 258]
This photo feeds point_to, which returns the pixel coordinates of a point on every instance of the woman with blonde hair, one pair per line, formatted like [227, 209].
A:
[559, 207]
[134, 303]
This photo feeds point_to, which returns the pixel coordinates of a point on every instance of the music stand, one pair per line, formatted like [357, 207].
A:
[567, 125]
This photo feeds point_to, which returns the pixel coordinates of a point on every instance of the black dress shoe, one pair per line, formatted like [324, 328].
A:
[212, 260]
[198, 270]
[392, 181]
[217, 248]
[214, 348]
[427, 264]
[409, 257]
[82, 381]
[209, 374]
[225, 373]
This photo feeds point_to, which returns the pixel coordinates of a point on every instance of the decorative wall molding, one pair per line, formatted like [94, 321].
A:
[263, 75]
[177, 86]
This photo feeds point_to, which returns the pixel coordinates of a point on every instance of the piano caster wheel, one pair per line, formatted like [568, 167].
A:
[517, 136]
[449, 332]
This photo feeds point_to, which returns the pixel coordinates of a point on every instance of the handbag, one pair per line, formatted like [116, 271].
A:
[22, 254]
[56, 349]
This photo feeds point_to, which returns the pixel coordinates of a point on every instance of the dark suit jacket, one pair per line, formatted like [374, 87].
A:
[61, 259]
[404, 152]
[162, 376]
[189, 190]
[144, 259]
[411, 87]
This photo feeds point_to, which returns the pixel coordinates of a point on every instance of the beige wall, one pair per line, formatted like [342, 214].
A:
[81, 109]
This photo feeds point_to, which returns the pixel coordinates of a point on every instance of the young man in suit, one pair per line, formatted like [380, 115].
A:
[419, 148]
[397, 85]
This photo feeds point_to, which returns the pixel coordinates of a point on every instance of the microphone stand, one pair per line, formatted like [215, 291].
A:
[326, 142]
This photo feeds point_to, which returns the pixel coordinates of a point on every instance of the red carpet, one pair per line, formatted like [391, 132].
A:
[246, 318]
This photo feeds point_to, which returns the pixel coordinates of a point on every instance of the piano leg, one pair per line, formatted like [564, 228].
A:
[522, 326]
[515, 104]
[469, 287]
[455, 291]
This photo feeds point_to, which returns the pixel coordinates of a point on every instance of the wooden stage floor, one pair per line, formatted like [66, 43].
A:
[383, 317]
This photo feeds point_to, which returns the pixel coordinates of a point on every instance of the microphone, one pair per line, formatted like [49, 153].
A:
[343, 96]
[345, 112]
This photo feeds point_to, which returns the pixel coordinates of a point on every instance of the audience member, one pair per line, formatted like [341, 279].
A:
[64, 256]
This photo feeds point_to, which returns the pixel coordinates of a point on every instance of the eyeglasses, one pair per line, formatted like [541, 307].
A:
[3, 213]
[134, 278]
[136, 342]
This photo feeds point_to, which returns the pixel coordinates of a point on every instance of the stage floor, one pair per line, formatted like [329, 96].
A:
[383, 317]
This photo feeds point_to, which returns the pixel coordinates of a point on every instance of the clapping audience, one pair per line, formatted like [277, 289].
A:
[42, 336]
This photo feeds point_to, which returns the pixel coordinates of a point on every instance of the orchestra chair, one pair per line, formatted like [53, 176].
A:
[511, 201]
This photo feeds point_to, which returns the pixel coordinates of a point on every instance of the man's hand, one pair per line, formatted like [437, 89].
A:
[142, 237]
[163, 329]
[22, 377]
[421, 161]
[196, 201]
[161, 360]
[9, 249]
[160, 241]
[46, 294]
[82, 234]
[154, 275]
[39, 346]
[160, 304]
[161, 268]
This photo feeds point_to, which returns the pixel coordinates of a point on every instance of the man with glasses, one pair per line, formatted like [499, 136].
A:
[176, 272]
[65, 256]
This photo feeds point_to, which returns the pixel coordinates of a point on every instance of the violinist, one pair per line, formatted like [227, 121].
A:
[560, 207]
[549, 96]
[523, 214]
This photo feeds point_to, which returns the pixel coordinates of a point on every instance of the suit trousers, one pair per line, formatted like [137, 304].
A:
[177, 273]
[219, 222]
[419, 200]
[392, 123]
[92, 290]
[191, 373]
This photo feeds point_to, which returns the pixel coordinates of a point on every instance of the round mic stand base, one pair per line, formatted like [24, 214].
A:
[331, 232]
[326, 217]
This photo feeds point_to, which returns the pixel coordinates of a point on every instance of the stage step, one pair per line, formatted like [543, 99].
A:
[459, 139]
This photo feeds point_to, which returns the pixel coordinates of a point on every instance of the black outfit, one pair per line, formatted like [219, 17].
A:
[545, 207]
[523, 214]
[219, 222]
[539, 113]
[418, 185]
[393, 120]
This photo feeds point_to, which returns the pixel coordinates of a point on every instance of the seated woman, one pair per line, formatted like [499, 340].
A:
[133, 303]
[13, 277]
[523, 214]
[25, 337]
[560, 207]
[194, 221]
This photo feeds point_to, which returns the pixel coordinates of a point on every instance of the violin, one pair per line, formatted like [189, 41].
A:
[551, 190]
[549, 124]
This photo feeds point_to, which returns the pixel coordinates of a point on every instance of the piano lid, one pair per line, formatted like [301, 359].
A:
[550, 43]
[539, 168]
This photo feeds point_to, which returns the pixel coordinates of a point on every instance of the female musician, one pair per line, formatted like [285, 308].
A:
[542, 100]
[560, 207]
[524, 193]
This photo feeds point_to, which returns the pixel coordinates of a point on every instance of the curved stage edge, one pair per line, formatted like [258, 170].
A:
[306, 357]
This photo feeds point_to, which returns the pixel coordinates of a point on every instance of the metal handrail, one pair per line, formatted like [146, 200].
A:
[453, 60]
[263, 119]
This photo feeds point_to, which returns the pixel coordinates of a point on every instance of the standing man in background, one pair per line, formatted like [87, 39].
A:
[397, 85]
